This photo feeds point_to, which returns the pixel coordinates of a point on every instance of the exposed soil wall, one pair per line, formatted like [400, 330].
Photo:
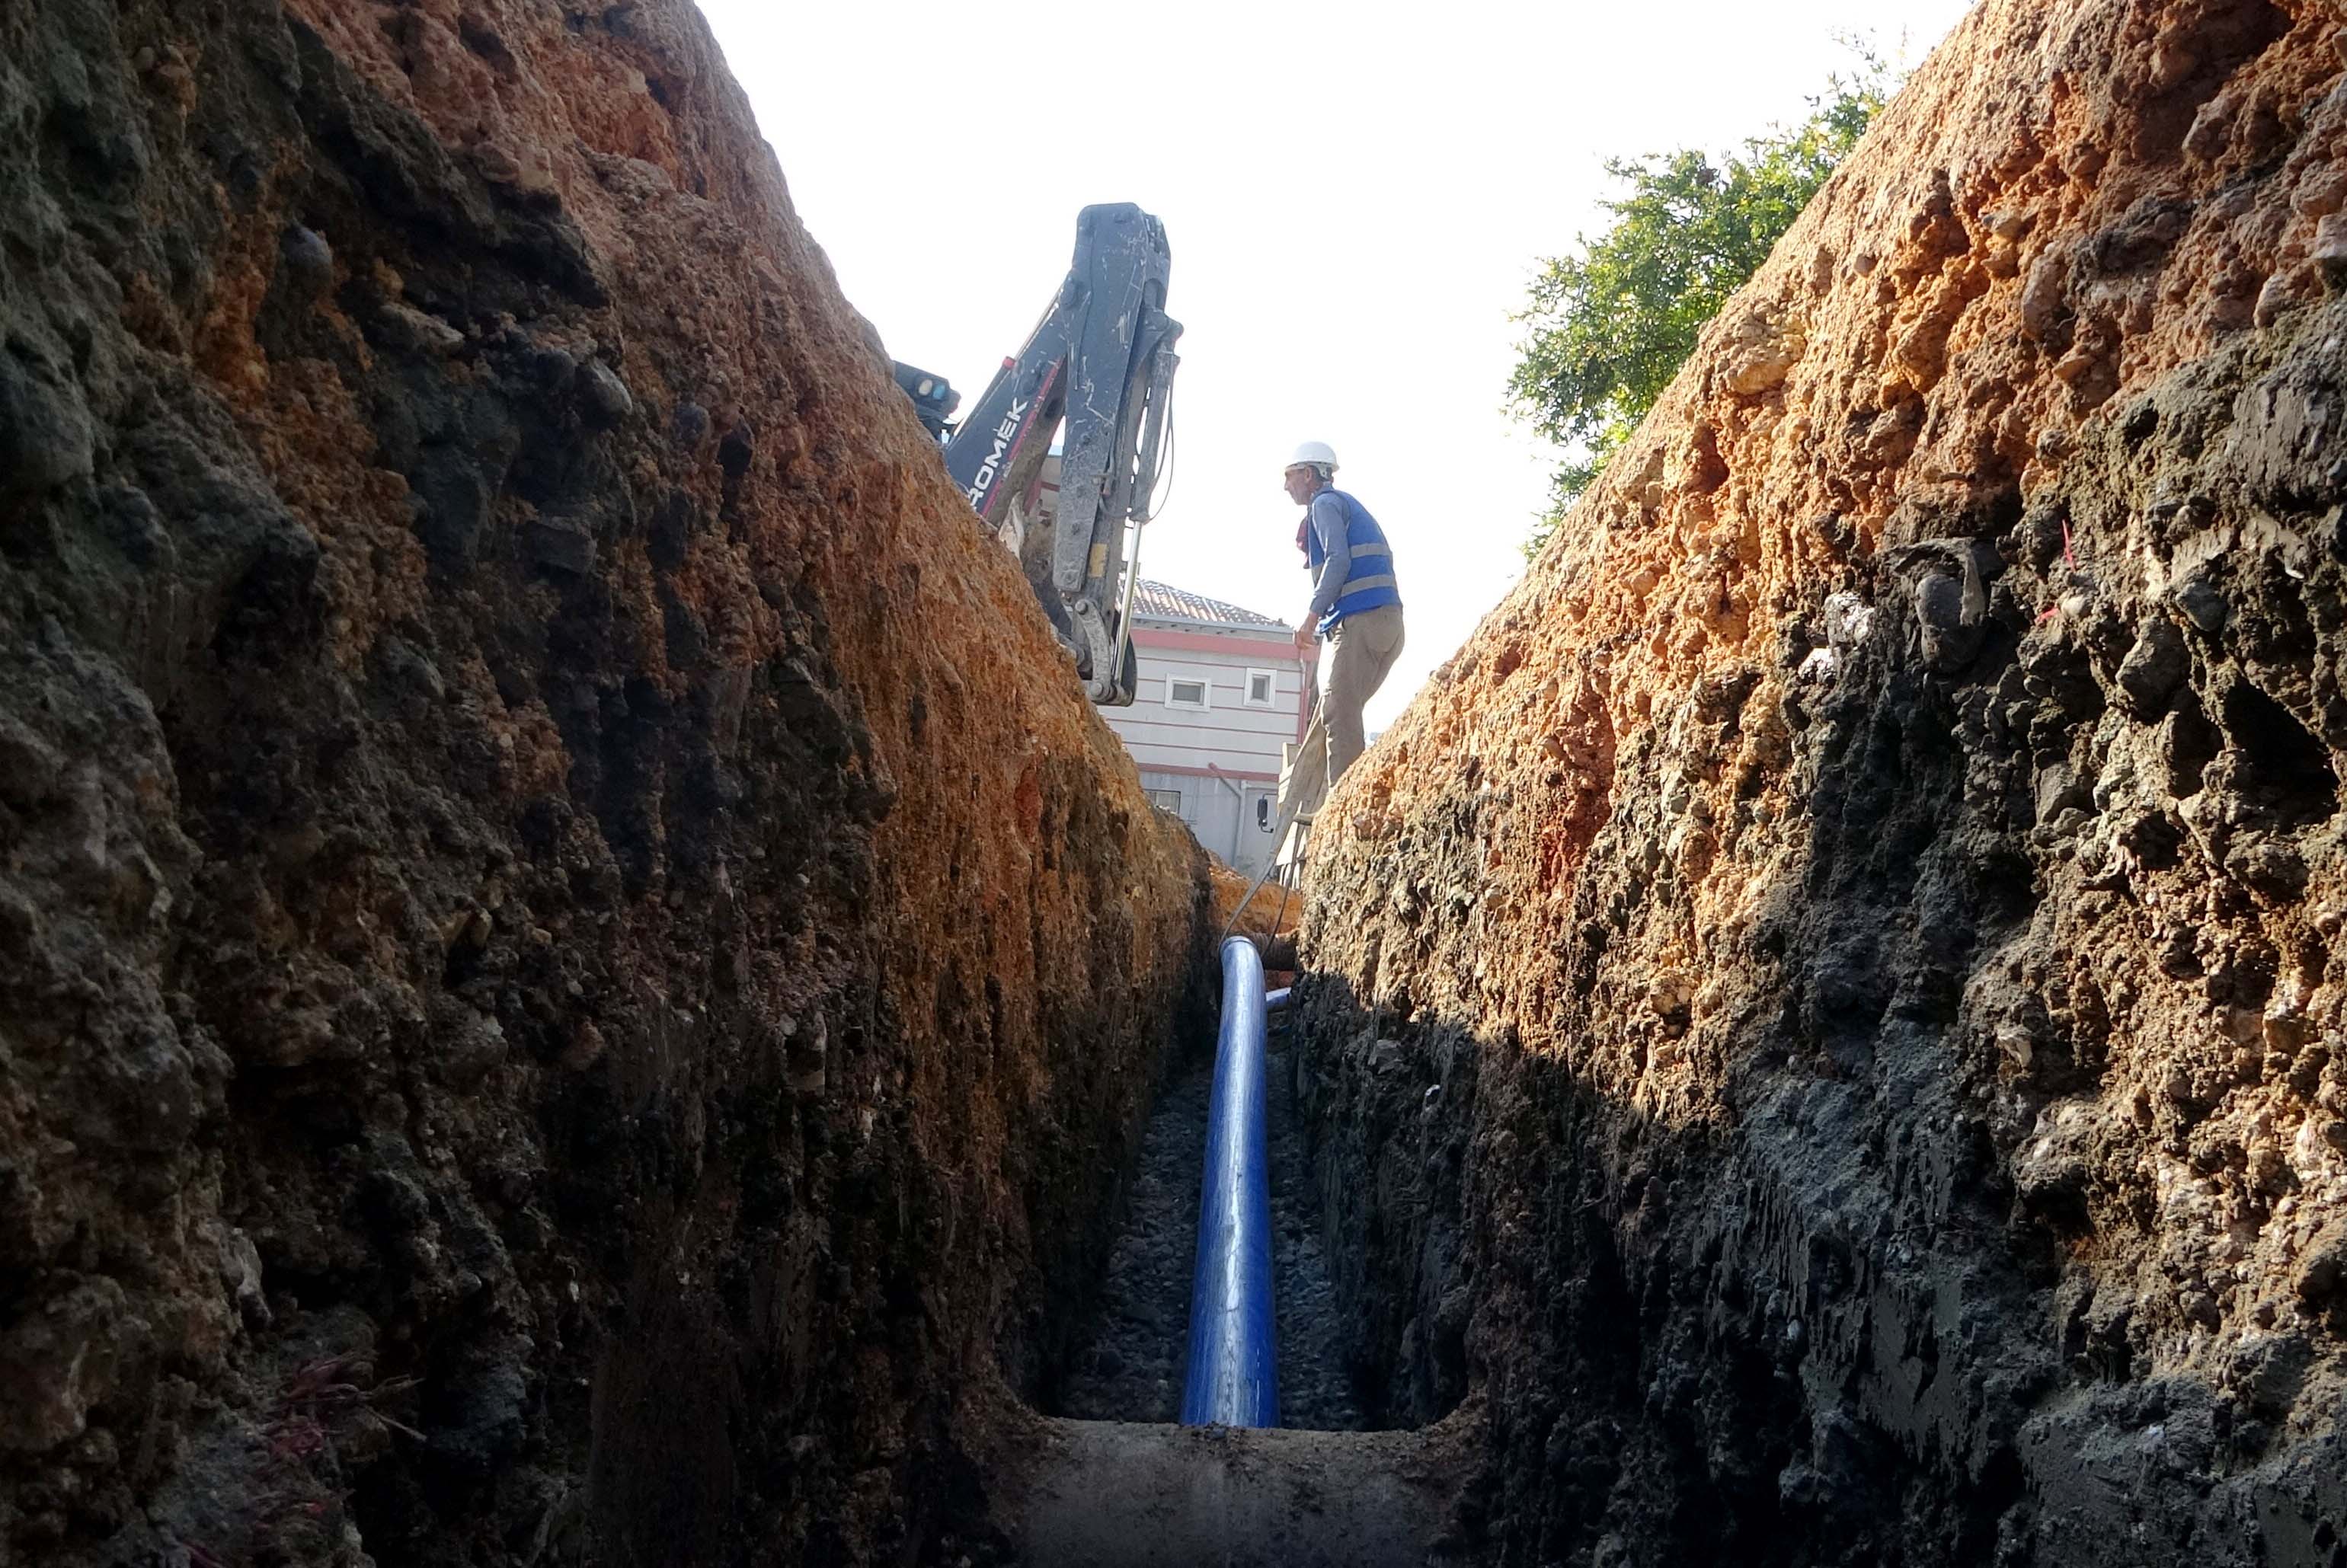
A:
[1829, 1012]
[572, 962]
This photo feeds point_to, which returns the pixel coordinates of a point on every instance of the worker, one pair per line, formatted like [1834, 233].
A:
[1355, 604]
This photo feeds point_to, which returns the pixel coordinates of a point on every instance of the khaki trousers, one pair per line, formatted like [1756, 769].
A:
[1363, 647]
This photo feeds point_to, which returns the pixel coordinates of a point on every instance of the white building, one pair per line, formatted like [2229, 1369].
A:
[1221, 692]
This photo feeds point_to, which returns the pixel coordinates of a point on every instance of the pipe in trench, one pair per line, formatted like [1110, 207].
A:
[1234, 1378]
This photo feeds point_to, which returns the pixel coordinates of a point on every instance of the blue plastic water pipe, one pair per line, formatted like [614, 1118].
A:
[1234, 1356]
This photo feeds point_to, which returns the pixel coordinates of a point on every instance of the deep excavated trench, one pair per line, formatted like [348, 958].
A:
[579, 987]
[1131, 1360]
[1260, 1471]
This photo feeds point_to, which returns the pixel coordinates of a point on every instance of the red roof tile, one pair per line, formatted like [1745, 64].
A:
[1159, 602]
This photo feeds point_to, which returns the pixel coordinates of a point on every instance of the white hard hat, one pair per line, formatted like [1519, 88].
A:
[1318, 451]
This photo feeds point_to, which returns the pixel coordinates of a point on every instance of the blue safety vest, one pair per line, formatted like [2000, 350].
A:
[1369, 575]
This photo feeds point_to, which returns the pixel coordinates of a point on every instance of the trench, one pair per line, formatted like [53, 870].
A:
[1111, 1474]
[1132, 1345]
[563, 967]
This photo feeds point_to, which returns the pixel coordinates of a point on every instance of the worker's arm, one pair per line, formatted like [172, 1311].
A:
[1337, 556]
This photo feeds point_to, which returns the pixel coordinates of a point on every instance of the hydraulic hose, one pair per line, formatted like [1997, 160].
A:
[1233, 1357]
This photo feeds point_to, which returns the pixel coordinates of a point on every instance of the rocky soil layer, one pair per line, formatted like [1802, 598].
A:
[572, 963]
[1830, 1012]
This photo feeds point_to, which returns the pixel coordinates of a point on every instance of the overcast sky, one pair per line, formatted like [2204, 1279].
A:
[1355, 204]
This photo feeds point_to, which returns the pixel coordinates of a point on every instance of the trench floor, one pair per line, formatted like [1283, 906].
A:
[1133, 1354]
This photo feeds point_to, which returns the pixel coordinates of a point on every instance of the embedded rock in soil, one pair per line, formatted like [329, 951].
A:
[1828, 1010]
[572, 962]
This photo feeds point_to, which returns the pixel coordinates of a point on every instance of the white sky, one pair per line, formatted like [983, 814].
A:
[1355, 204]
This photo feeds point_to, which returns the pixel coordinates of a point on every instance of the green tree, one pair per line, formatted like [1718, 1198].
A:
[1607, 328]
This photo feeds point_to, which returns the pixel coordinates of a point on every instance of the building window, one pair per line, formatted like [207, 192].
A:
[1260, 688]
[1166, 801]
[1180, 693]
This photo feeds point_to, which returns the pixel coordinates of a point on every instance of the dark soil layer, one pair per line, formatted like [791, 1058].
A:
[1103, 1494]
[1316, 1383]
[1135, 1342]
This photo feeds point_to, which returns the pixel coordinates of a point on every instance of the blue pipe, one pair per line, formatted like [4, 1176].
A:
[1234, 1356]
[1275, 999]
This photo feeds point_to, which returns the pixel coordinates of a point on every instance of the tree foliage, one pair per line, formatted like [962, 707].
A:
[1607, 328]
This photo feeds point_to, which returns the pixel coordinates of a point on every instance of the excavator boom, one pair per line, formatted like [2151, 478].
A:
[1100, 362]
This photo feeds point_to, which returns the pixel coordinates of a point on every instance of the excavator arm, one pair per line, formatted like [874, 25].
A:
[1101, 361]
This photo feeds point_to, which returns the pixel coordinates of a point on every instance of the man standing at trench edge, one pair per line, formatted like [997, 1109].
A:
[1354, 602]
